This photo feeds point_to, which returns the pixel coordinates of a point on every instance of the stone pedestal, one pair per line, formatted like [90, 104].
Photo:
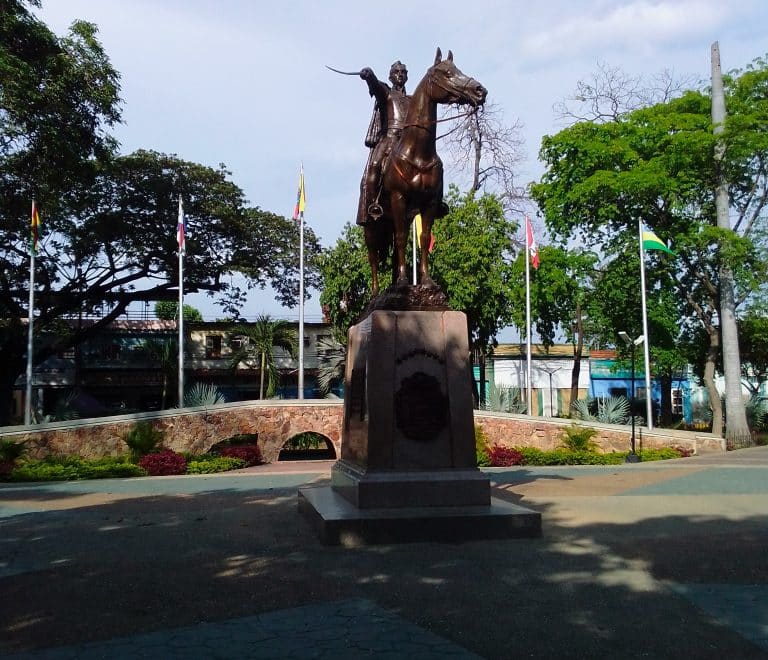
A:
[408, 468]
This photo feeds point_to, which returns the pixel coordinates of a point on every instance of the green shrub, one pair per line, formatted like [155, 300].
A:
[142, 438]
[10, 450]
[303, 442]
[210, 464]
[662, 454]
[578, 438]
[69, 468]
[481, 447]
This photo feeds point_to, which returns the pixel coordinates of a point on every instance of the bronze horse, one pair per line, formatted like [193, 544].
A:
[412, 179]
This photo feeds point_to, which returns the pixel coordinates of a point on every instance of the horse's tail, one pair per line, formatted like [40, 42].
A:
[384, 240]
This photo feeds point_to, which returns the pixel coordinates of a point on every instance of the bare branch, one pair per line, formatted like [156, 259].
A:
[610, 93]
[490, 151]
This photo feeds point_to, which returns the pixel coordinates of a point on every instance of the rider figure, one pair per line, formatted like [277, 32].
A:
[385, 129]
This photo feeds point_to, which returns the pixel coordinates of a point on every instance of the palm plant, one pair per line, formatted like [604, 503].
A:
[504, 398]
[166, 352]
[332, 362]
[263, 337]
[757, 413]
[203, 394]
[608, 410]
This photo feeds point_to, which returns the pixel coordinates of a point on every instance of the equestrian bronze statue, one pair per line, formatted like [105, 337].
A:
[404, 174]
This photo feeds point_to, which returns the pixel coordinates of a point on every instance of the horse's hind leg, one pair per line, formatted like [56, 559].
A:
[373, 258]
[427, 219]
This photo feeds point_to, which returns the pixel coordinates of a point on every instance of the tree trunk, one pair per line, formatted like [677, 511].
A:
[8, 375]
[481, 374]
[12, 365]
[737, 430]
[578, 350]
[715, 404]
[261, 374]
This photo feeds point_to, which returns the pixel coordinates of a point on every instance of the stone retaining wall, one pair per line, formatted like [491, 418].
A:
[543, 433]
[276, 422]
[193, 429]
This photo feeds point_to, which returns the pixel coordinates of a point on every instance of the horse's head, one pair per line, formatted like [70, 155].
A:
[447, 84]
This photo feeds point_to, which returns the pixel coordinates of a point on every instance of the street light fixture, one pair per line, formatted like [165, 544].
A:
[632, 457]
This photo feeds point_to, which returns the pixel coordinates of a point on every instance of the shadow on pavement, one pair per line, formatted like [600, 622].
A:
[586, 591]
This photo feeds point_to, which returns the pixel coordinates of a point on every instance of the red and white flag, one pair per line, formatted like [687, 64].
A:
[531, 243]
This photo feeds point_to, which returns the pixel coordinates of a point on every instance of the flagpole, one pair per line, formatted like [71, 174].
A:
[646, 343]
[302, 202]
[413, 224]
[301, 304]
[181, 239]
[529, 389]
[30, 321]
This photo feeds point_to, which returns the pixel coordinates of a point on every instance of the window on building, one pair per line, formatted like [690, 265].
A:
[238, 342]
[677, 402]
[212, 346]
[619, 391]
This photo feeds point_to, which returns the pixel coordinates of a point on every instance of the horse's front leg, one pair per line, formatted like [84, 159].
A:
[400, 227]
[427, 219]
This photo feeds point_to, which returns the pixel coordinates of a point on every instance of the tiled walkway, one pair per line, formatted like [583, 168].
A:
[659, 560]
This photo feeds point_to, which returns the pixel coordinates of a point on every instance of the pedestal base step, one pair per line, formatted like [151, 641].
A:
[339, 522]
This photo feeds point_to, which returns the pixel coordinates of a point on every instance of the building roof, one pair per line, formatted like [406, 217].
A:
[538, 351]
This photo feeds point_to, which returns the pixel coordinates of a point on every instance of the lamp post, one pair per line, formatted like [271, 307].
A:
[632, 457]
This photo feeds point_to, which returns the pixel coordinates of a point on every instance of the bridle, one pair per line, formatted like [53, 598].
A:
[462, 89]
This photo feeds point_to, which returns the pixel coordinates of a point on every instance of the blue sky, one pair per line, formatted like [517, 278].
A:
[243, 83]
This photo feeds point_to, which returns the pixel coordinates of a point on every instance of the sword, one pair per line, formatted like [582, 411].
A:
[343, 73]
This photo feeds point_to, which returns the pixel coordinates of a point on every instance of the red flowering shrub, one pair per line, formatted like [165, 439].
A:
[248, 453]
[163, 463]
[504, 456]
[684, 452]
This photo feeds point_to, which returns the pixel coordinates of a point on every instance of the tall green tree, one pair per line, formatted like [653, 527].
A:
[656, 164]
[346, 281]
[168, 310]
[58, 99]
[257, 352]
[561, 293]
[115, 245]
[474, 248]
[753, 341]
[472, 262]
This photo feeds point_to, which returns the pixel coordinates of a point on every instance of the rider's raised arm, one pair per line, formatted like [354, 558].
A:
[375, 87]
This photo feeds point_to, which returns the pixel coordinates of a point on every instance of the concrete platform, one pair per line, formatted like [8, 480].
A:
[338, 522]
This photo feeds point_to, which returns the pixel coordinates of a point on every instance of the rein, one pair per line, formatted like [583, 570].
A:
[432, 122]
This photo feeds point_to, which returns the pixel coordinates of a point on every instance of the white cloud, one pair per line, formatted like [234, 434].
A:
[638, 26]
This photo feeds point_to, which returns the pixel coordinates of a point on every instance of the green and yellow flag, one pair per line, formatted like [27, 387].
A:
[653, 242]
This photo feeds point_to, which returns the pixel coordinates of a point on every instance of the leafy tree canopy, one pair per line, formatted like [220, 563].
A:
[108, 221]
[168, 310]
[474, 248]
[657, 165]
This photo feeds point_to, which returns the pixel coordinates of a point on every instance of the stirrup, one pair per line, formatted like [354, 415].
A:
[375, 211]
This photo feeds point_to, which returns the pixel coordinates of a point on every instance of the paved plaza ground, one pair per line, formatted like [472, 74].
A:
[654, 560]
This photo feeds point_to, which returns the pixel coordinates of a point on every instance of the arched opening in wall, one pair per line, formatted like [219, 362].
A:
[309, 446]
